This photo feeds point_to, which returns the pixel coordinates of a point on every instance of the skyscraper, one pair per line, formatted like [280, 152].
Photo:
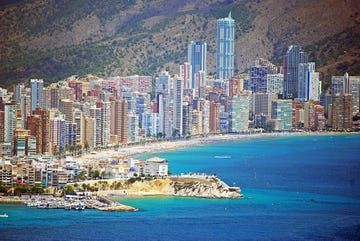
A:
[293, 57]
[309, 85]
[37, 93]
[178, 109]
[197, 60]
[225, 50]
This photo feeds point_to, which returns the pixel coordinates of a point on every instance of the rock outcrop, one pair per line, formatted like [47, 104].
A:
[209, 187]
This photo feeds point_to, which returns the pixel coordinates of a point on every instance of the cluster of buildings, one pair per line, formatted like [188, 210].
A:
[47, 171]
[89, 113]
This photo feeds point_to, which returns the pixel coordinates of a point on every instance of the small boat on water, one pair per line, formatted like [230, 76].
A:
[222, 157]
[4, 215]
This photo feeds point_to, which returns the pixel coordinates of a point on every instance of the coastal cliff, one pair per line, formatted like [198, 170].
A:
[201, 186]
[209, 187]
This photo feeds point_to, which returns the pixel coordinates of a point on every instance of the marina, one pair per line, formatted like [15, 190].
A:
[75, 202]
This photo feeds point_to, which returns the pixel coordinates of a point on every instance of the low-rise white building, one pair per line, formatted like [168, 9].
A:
[156, 166]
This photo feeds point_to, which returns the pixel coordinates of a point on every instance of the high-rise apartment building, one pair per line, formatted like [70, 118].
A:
[258, 78]
[66, 107]
[225, 49]
[133, 128]
[95, 113]
[89, 132]
[314, 116]
[275, 83]
[78, 118]
[57, 134]
[197, 60]
[214, 118]
[236, 86]
[37, 93]
[186, 75]
[261, 103]
[309, 85]
[349, 85]
[178, 107]
[119, 120]
[293, 57]
[341, 112]
[282, 114]
[9, 121]
[105, 121]
[39, 125]
[239, 112]
[2, 126]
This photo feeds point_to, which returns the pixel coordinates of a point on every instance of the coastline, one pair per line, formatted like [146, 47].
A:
[153, 147]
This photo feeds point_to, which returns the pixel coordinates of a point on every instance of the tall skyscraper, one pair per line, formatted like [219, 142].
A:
[197, 60]
[178, 109]
[293, 57]
[309, 85]
[225, 50]
[37, 93]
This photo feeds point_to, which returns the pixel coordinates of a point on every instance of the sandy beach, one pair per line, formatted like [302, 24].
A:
[153, 147]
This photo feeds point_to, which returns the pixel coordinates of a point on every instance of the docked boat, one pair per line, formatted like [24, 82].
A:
[79, 207]
[4, 215]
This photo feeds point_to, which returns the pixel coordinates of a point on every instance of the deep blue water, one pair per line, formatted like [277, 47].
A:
[296, 188]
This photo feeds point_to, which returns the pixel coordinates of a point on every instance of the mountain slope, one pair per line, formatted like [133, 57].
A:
[53, 39]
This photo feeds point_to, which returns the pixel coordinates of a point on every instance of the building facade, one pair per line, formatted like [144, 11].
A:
[225, 49]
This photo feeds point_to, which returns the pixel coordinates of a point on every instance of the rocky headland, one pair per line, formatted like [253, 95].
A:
[202, 186]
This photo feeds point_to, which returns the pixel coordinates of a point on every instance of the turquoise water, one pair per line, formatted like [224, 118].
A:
[296, 188]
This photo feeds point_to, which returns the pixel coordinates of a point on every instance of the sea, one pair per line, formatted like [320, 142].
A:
[294, 187]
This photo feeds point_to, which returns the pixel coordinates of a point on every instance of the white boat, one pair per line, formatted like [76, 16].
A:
[80, 207]
[4, 215]
[222, 157]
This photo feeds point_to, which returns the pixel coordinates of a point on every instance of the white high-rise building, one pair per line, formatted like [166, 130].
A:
[150, 122]
[95, 113]
[178, 106]
[186, 75]
[275, 83]
[133, 127]
[105, 122]
[206, 116]
[309, 85]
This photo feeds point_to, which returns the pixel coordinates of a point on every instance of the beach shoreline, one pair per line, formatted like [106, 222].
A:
[130, 151]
